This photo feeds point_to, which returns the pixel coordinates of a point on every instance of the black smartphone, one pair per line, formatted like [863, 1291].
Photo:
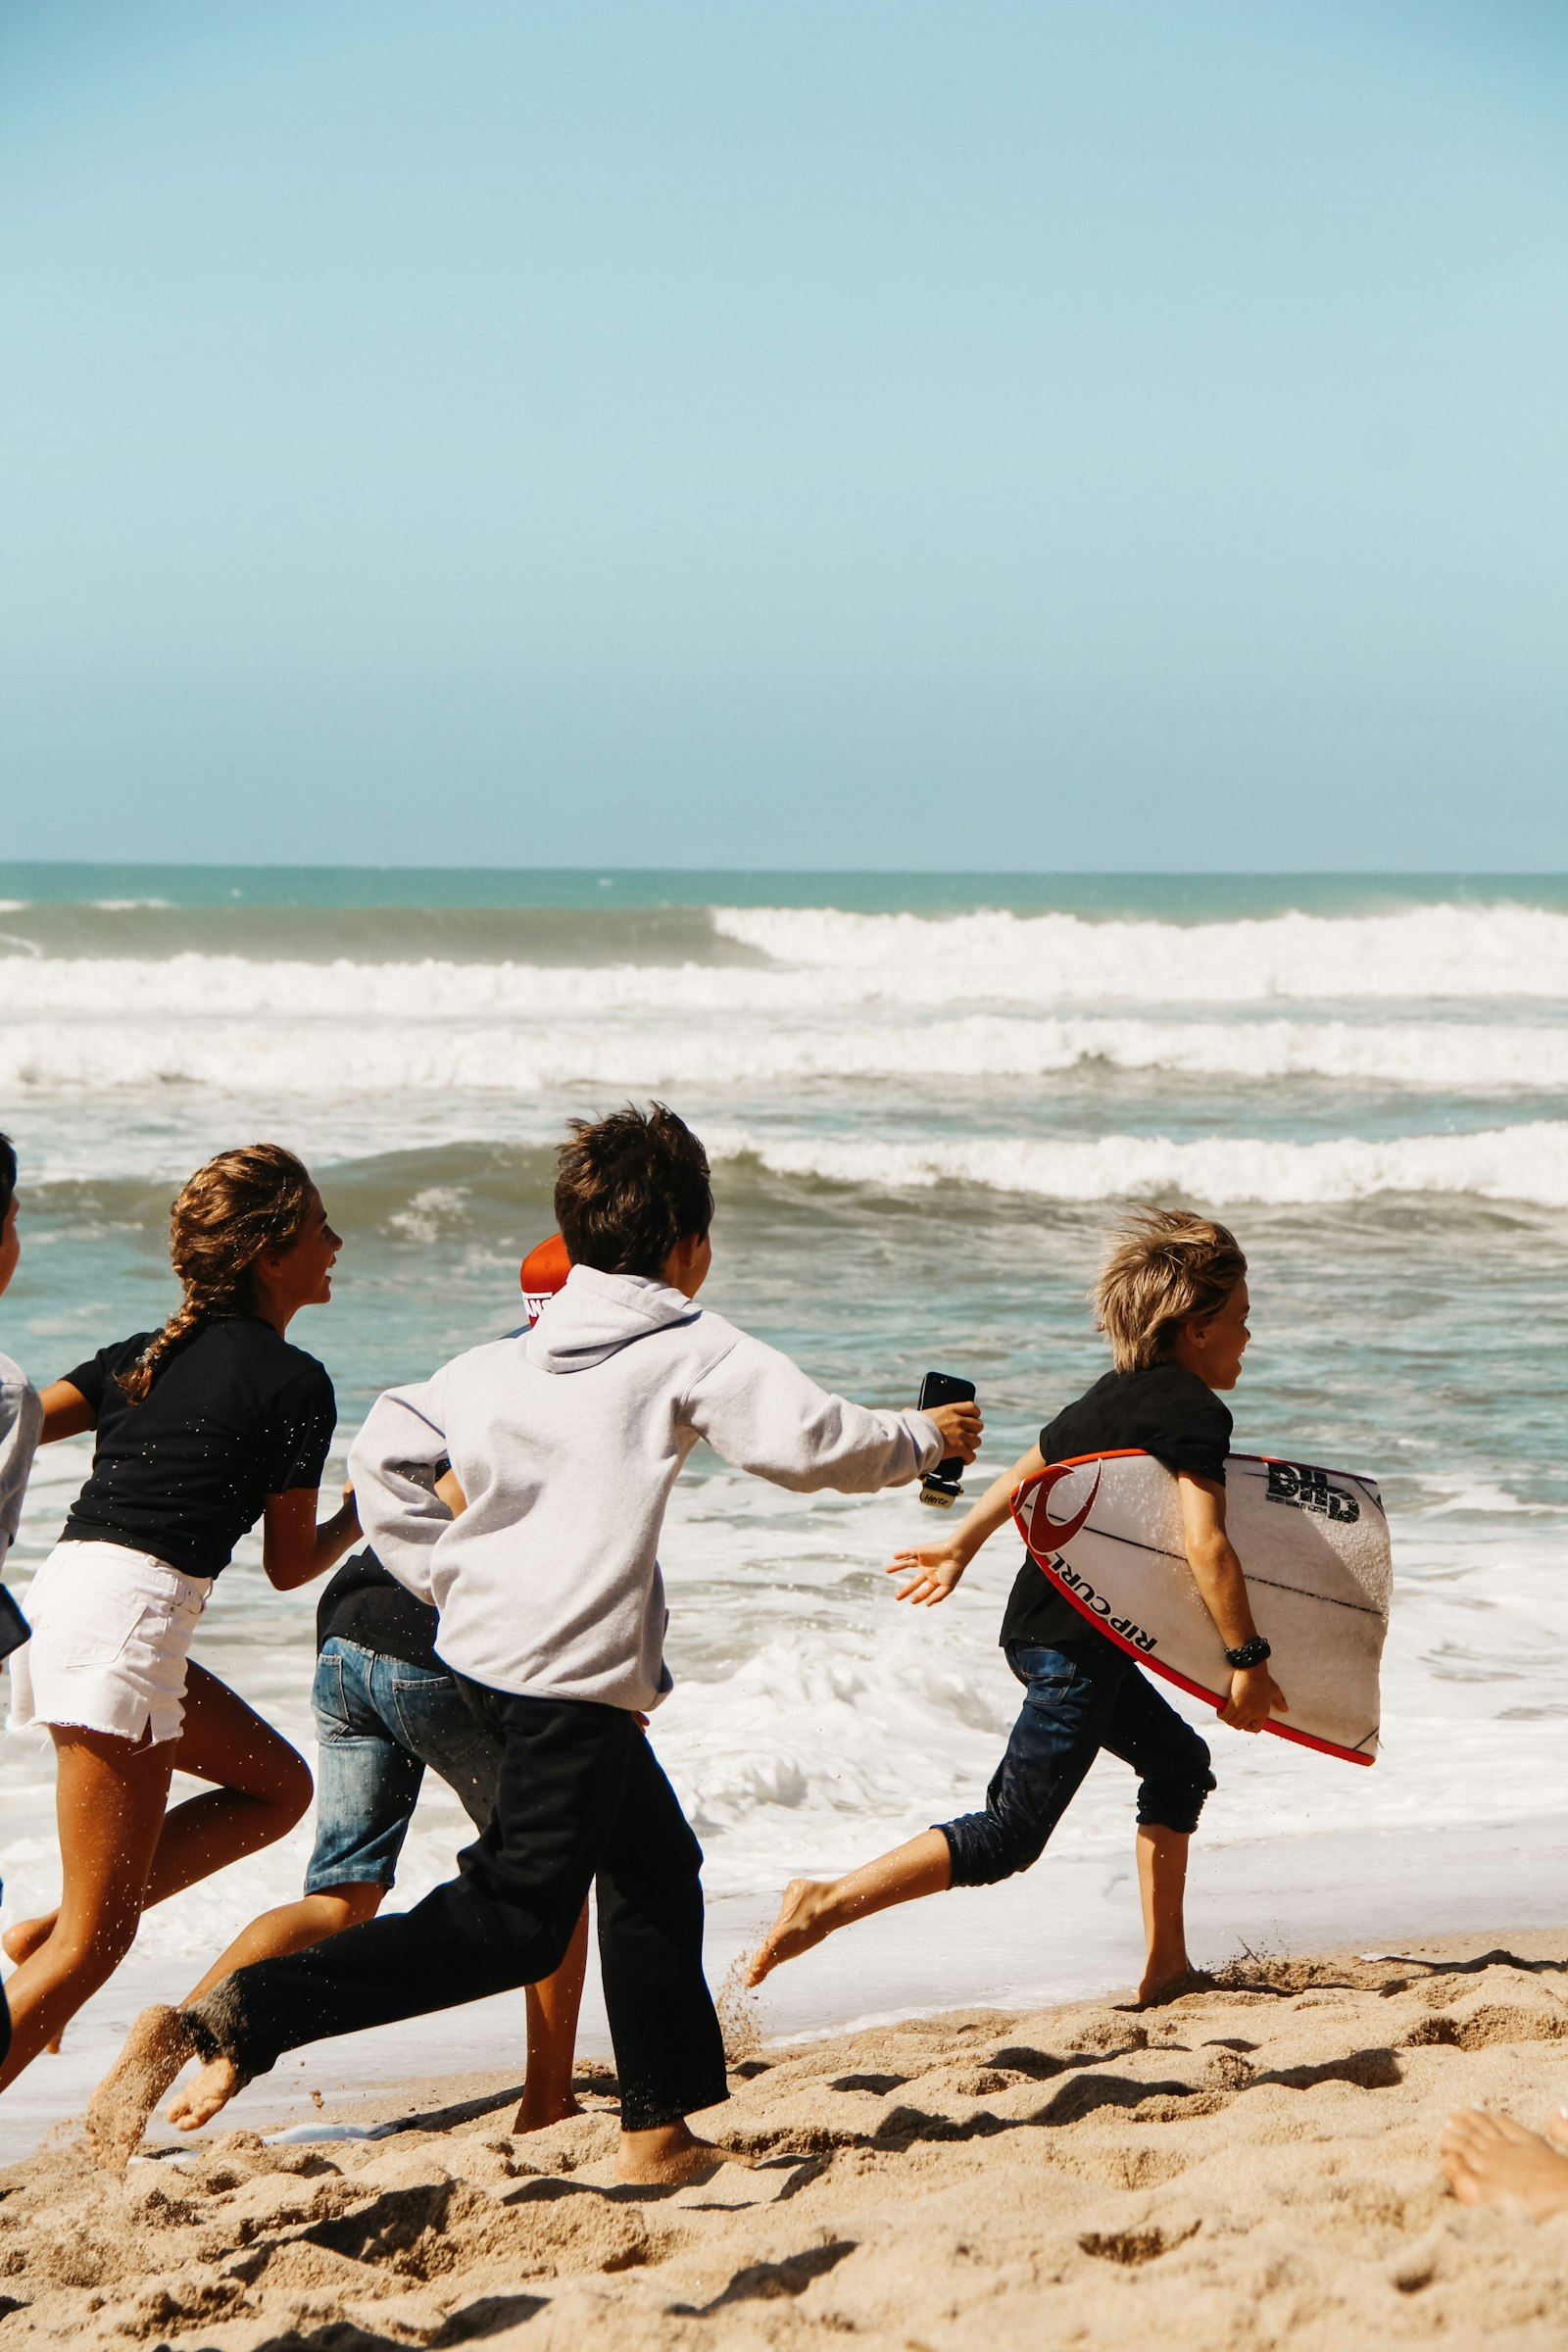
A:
[13, 1627]
[943, 1485]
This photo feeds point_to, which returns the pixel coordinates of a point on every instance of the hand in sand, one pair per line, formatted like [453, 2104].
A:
[1491, 2160]
[933, 1571]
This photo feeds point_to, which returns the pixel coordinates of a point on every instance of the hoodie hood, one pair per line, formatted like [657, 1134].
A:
[593, 1316]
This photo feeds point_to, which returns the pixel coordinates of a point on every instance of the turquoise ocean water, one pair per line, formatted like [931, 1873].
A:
[924, 1096]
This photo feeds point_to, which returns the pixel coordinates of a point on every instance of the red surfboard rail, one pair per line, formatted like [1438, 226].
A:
[1041, 1484]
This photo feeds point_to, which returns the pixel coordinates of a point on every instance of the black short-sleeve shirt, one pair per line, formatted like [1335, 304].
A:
[1165, 1411]
[366, 1603]
[234, 1414]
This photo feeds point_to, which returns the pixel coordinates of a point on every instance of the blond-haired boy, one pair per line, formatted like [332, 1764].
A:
[1172, 1300]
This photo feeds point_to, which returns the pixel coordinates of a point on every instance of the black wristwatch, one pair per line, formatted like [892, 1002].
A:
[1250, 1653]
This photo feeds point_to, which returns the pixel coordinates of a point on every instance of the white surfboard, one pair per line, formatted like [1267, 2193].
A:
[1106, 1530]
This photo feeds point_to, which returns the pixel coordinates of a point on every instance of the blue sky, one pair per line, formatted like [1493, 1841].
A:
[977, 434]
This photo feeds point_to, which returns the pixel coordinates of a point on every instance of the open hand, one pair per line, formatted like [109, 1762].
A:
[933, 1571]
[1255, 1696]
[960, 1426]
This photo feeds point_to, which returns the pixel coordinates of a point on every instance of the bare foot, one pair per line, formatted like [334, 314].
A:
[20, 1942]
[205, 2095]
[1169, 1983]
[156, 2048]
[1491, 2160]
[534, 2114]
[665, 2157]
[803, 1918]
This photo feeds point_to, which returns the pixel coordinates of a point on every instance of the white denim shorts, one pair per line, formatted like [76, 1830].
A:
[111, 1641]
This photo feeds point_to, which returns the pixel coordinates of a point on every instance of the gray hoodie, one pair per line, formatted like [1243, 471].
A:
[566, 1440]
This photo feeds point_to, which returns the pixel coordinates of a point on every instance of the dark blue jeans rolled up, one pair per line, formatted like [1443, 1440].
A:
[1081, 1699]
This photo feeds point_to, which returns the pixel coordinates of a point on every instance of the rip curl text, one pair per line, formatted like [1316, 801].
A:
[1128, 1629]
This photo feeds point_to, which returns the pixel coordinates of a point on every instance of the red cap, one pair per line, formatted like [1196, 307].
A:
[542, 1274]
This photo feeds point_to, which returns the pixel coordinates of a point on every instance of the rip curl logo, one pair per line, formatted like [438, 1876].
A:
[1306, 1490]
[1127, 1626]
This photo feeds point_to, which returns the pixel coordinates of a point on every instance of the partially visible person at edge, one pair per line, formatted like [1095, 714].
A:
[21, 1421]
[1488, 2159]
[202, 1428]
[1172, 1300]
[385, 1708]
[565, 1444]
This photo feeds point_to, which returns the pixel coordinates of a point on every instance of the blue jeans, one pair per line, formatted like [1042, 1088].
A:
[378, 1723]
[1076, 1701]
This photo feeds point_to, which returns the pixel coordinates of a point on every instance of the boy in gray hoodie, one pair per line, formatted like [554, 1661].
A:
[566, 1443]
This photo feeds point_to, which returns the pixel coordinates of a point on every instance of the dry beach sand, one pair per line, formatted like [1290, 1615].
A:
[1251, 2165]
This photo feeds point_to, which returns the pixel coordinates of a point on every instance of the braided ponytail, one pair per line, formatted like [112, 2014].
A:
[235, 1209]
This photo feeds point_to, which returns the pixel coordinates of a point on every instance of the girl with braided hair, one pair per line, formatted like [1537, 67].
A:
[202, 1428]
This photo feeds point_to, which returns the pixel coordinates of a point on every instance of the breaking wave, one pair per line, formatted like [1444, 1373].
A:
[1441, 952]
[311, 1051]
[1528, 1163]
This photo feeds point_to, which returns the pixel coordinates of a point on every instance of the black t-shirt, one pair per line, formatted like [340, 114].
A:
[1165, 1411]
[234, 1414]
[366, 1603]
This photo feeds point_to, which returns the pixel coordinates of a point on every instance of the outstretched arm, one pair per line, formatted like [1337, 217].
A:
[1255, 1694]
[934, 1569]
[761, 1412]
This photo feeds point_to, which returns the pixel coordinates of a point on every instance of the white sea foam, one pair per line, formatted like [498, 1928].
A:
[1479, 1498]
[1527, 1162]
[823, 960]
[1425, 951]
[280, 1039]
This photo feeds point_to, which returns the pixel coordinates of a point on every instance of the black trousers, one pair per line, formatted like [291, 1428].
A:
[581, 1797]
